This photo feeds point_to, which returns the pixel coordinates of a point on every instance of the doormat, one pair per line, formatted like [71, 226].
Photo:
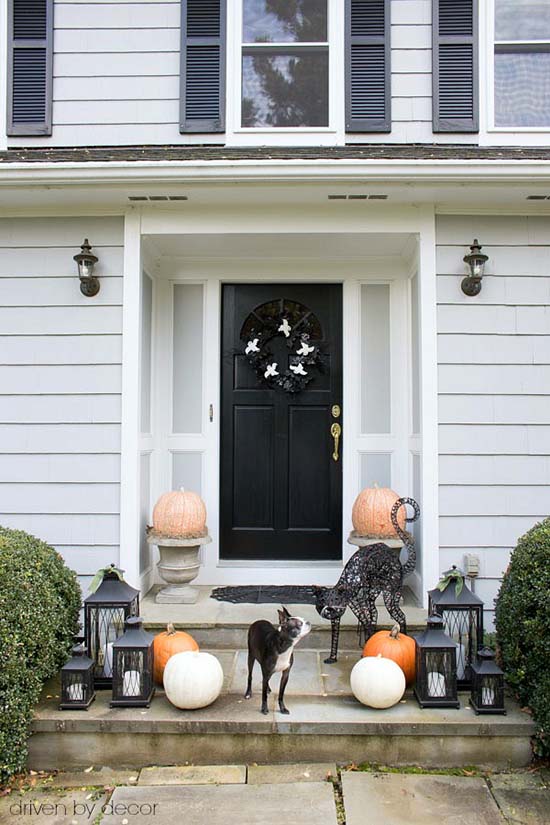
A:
[265, 594]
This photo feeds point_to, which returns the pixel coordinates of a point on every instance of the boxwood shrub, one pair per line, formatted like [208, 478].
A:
[522, 622]
[39, 609]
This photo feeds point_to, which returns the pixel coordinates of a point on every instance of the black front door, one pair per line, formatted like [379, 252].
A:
[281, 439]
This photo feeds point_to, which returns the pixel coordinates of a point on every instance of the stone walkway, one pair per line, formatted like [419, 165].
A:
[299, 794]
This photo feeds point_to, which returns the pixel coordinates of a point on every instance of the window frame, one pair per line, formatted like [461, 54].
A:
[332, 134]
[491, 51]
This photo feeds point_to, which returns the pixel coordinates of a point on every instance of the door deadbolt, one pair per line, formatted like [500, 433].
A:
[336, 411]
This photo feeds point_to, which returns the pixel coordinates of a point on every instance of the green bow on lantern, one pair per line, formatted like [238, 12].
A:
[452, 575]
[101, 573]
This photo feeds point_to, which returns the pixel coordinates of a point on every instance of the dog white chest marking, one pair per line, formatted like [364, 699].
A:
[283, 660]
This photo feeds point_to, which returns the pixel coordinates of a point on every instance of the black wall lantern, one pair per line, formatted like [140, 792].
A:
[105, 612]
[133, 667]
[462, 613]
[487, 694]
[476, 260]
[77, 681]
[89, 283]
[435, 667]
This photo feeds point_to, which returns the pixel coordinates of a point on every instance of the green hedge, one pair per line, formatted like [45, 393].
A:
[522, 622]
[39, 609]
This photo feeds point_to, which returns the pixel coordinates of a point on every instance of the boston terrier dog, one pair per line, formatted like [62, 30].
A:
[273, 648]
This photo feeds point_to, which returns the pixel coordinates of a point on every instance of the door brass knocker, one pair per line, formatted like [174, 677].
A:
[336, 432]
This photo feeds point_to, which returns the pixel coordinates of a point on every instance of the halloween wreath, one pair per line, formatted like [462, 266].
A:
[304, 360]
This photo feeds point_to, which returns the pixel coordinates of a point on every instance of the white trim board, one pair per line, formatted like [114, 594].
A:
[211, 273]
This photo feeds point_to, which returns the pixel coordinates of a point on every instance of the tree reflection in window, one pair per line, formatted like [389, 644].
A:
[284, 63]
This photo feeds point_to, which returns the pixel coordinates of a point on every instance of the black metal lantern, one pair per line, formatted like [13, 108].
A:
[436, 667]
[77, 681]
[133, 667]
[105, 612]
[463, 620]
[476, 260]
[85, 261]
[487, 695]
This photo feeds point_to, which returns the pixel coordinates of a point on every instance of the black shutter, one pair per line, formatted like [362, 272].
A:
[30, 67]
[368, 93]
[202, 81]
[455, 66]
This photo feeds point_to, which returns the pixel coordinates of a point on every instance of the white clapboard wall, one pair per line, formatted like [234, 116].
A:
[116, 76]
[494, 388]
[60, 384]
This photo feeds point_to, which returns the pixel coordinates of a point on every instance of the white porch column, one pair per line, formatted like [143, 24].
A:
[428, 404]
[130, 464]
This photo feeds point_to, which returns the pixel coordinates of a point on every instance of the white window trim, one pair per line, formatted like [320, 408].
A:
[3, 85]
[331, 135]
[487, 22]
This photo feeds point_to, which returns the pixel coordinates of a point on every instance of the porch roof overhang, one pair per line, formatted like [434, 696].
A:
[476, 178]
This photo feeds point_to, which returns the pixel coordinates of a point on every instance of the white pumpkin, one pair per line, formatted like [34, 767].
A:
[192, 679]
[377, 682]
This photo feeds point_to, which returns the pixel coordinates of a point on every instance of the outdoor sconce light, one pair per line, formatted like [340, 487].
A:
[133, 666]
[462, 615]
[89, 283]
[436, 685]
[476, 260]
[487, 694]
[77, 681]
[105, 612]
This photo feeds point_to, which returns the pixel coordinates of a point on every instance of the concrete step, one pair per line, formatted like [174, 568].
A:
[326, 723]
[224, 625]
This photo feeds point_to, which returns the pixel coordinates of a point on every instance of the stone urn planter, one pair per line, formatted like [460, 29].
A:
[179, 564]
[179, 531]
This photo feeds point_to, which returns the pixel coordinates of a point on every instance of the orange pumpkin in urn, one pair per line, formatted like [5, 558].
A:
[180, 514]
[371, 514]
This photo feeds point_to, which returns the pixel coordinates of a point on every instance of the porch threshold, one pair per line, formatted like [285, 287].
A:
[225, 625]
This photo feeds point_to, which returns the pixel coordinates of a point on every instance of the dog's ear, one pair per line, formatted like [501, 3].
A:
[283, 615]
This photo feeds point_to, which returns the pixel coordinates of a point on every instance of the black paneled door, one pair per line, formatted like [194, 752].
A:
[281, 457]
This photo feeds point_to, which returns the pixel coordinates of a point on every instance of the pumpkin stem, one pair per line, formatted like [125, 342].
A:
[170, 629]
[394, 633]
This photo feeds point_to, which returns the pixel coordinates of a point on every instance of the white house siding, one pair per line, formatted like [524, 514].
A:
[60, 384]
[494, 387]
[117, 64]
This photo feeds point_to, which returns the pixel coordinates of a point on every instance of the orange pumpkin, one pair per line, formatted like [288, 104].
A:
[166, 644]
[371, 514]
[396, 646]
[179, 514]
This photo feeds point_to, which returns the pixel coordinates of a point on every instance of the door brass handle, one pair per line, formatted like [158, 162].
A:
[336, 432]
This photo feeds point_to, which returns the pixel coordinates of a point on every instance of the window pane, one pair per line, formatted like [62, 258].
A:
[285, 90]
[375, 469]
[284, 21]
[375, 359]
[187, 471]
[522, 89]
[522, 20]
[187, 378]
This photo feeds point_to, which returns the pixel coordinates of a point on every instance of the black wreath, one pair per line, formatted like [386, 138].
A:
[259, 361]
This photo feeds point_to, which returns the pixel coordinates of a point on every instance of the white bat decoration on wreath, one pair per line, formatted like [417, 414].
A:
[298, 369]
[305, 349]
[271, 370]
[252, 346]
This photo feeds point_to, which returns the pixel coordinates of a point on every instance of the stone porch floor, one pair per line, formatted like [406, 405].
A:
[325, 723]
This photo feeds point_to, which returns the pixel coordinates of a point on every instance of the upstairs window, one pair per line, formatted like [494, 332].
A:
[285, 64]
[522, 63]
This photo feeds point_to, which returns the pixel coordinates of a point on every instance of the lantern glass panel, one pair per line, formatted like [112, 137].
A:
[77, 681]
[461, 626]
[438, 665]
[133, 667]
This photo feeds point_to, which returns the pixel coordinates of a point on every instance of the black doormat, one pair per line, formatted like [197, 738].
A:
[264, 594]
